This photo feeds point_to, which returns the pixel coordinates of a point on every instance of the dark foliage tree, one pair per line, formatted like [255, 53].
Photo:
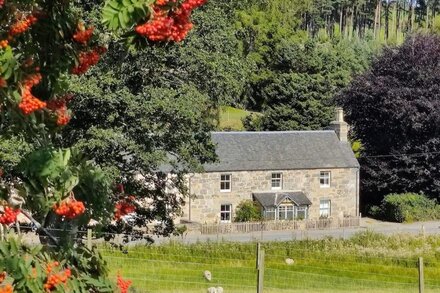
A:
[295, 88]
[394, 110]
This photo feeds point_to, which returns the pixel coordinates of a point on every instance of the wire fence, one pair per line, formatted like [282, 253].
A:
[178, 268]
[183, 269]
[232, 267]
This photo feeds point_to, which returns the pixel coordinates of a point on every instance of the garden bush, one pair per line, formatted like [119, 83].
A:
[407, 207]
[247, 210]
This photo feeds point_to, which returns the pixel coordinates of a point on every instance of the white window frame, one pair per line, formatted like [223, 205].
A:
[225, 181]
[325, 208]
[271, 210]
[302, 208]
[325, 179]
[227, 212]
[285, 210]
[279, 179]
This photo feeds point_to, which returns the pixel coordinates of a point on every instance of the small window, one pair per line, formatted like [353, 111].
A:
[225, 213]
[269, 214]
[277, 181]
[285, 212]
[225, 182]
[324, 178]
[324, 208]
[301, 212]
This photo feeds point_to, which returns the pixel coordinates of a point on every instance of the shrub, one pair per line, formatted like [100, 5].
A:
[409, 207]
[247, 210]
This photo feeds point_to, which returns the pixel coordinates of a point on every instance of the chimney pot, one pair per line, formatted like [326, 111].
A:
[339, 114]
[339, 125]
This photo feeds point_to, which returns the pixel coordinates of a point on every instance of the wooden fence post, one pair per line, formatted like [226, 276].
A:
[421, 277]
[260, 268]
[89, 238]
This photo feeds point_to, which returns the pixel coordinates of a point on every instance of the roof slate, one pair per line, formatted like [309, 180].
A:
[280, 150]
[273, 199]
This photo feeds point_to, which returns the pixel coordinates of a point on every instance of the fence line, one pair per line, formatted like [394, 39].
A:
[308, 224]
[180, 268]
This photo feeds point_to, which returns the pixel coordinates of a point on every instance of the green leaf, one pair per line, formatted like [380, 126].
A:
[122, 14]
[4, 250]
[67, 155]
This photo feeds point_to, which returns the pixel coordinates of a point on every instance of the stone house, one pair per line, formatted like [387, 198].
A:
[290, 174]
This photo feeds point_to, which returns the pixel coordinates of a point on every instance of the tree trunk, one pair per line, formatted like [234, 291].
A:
[340, 20]
[412, 16]
[375, 19]
[379, 17]
[427, 15]
[387, 20]
[397, 24]
[59, 231]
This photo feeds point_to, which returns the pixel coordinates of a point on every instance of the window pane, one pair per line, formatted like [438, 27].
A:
[276, 175]
[281, 213]
[226, 185]
[289, 214]
[324, 178]
[324, 208]
[225, 212]
[270, 214]
[276, 181]
[225, 177]
[225, 182]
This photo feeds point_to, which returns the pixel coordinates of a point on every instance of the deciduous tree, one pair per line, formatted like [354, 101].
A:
[394, 110]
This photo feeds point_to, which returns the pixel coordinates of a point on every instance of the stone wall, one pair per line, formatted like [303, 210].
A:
[205, 207]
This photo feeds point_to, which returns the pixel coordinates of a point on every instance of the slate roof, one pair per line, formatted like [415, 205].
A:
[280, 150]
[273, 199]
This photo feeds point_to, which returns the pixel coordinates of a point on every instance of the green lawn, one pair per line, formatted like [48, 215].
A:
[366, 263]
[230, 118]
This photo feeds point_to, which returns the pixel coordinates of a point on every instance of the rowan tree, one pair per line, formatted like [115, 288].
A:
[60, 190]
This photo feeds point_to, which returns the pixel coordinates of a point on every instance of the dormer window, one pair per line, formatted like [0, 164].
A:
[277, 181]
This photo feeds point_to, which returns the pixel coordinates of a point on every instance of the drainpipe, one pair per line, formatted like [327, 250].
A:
[189, 195]
[357, 191]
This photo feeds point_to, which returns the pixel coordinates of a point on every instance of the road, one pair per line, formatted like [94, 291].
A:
[387, 228]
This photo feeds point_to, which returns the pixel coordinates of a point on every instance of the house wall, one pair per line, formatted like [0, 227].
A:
[205, 207]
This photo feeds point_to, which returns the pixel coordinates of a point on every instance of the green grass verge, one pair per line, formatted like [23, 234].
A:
[366, 263]
[230, 118]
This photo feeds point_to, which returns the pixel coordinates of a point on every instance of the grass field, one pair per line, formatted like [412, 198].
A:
[366, 263]
[230, 118]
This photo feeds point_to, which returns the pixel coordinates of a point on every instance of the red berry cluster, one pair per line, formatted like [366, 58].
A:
[123, 285]
[69, 208]
[2, 2]
[161, 2]
[9, 216]
[53, 279]
[22, 25]
[3, 82]
[29, 103]
[87, 60]
[63, 116]
[124, 207]
[7, 289]
[83, 35]
[172, 26]
[60, 109]
[3, 276]
[4, 43]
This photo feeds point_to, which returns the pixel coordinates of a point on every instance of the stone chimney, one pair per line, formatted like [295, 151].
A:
[339, 125]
